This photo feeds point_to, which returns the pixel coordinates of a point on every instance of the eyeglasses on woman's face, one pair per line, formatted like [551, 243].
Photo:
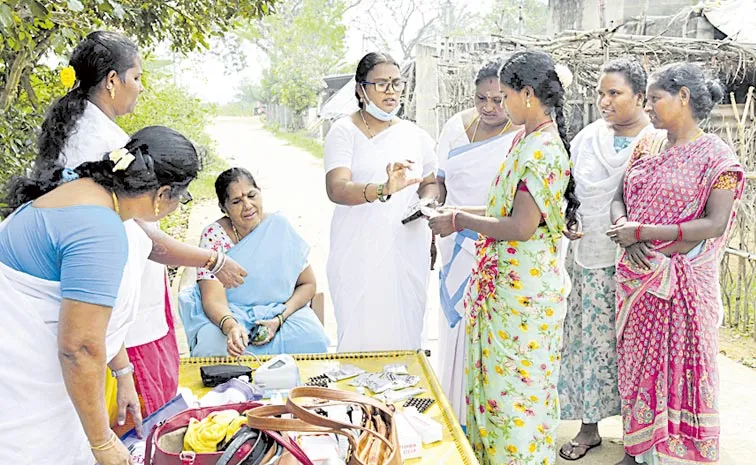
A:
[185, 197]
[382, 85]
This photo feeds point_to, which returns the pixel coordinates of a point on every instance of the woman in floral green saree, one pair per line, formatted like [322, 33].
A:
[516, 301]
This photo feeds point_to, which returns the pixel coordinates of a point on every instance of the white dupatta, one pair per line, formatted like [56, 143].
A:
[378, 268]
[38, 422]
[598, 170]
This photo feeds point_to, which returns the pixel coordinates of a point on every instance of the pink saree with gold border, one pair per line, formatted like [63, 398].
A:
[667, 316]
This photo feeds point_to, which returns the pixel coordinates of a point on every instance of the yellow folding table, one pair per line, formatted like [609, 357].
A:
[453, 449]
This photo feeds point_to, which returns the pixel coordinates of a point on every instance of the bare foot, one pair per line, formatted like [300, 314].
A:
[627, 460]
[586, 439]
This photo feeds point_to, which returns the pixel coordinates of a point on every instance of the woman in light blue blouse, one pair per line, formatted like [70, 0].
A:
[64, 255]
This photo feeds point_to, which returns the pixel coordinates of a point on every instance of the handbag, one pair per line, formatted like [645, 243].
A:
[213, 375]
[375, 443]
[249, 446]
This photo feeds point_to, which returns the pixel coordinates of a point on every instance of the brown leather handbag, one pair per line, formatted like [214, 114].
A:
[374, 442]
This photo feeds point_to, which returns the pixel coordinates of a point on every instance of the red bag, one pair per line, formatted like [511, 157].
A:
[181, 420]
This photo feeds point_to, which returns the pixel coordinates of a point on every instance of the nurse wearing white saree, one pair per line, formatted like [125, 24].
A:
[588, 384]
[471, 148]
[378, 268]
[64, 253]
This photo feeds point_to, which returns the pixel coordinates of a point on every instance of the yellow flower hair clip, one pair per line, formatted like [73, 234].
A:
[68, 77]
[121, 159]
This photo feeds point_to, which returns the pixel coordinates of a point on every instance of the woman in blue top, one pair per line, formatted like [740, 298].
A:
[63, 254]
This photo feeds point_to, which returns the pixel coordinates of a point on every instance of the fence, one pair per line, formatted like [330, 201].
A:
[739, 265]
[283, 117]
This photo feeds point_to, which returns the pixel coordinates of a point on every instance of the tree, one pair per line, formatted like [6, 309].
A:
[401, 23]
[303, 41]
[31, 31]
[520, 17]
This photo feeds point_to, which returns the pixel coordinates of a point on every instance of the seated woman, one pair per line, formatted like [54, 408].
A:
[276, 294]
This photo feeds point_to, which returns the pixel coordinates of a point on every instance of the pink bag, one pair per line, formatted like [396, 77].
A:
[181, 420]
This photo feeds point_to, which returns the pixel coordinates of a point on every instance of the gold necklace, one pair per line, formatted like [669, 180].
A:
[115, 203]
[475, 131]
[236, 232]
[364, 121]
[695, 138]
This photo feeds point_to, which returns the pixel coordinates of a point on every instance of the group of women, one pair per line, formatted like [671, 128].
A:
[640, 202]
[583, 272]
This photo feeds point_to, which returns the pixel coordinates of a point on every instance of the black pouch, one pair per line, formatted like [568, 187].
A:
[249, 447]
[213, 375]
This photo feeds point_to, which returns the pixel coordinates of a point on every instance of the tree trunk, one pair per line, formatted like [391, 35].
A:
[14, 79]
[26, 83]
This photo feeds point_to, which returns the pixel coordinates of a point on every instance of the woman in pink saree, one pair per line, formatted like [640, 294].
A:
[672, 216]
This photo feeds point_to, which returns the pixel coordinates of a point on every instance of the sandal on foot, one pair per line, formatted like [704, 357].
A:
[574, 445]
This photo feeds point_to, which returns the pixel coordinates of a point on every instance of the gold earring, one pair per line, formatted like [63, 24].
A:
[157, 210]
[112, 93]
[527, 102]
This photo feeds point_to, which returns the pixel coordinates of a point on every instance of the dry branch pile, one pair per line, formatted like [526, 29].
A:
[584, 52]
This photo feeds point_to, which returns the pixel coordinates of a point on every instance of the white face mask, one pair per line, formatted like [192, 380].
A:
[376, 112]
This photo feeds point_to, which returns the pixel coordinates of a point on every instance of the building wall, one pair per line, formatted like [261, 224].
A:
[566, 15]
[427, 89]
[633, 8]
[585, 14]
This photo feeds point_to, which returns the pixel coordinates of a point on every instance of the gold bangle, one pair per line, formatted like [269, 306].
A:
[364, 193]
[211, 261]
[223, 322]
[109, 444]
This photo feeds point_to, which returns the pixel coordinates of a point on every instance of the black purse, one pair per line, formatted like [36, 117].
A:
[213, 375]
[250, 447]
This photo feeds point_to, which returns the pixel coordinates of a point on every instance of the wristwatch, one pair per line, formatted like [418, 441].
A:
[379, 193]
[127, 370]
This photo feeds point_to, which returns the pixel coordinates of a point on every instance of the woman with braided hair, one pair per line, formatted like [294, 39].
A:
[471, 148]
[516, 300]
[79, 128]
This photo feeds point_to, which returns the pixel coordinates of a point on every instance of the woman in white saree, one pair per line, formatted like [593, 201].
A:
[378, 268]
[588, 385]
[471, 148]
[64, 254]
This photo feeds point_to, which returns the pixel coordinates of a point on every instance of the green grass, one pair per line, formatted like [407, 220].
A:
[203, 188]
[298, 139]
